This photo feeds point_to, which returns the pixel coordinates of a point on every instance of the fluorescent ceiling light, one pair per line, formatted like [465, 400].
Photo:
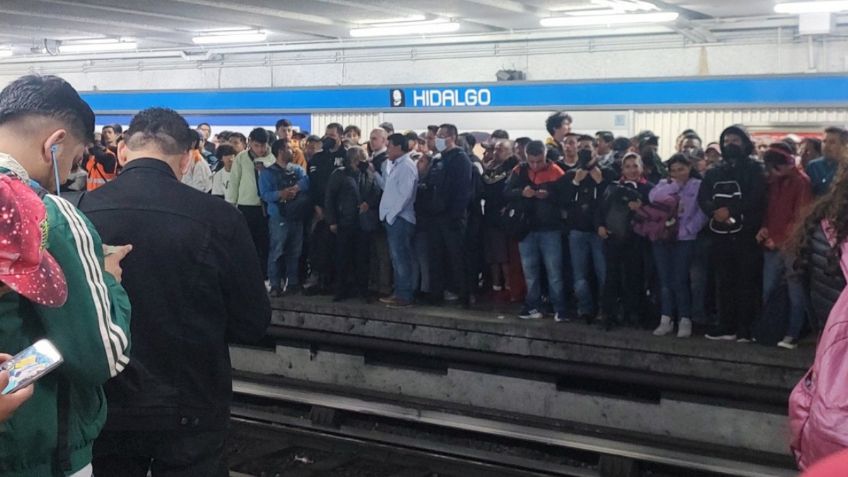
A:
[411, 28]
[232, 37]
[811, 7]
[411, 18]
[629, 18]
[98, 46]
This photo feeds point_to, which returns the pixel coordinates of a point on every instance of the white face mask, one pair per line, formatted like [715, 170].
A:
[441, 144]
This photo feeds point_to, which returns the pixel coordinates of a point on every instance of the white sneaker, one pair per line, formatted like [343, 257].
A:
[532, 314]
[267, 285]
[449, 296]
[788, 342]
[561, 317]
[684, 328]
[666, 326]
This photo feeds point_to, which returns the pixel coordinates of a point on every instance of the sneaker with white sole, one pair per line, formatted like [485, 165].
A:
[684, 328]
[666, 326]
[530, 314]
[788, 342]
[450, 296]
[561, 317]
[720, 334]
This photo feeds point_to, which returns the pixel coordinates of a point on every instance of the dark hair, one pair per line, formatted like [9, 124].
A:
[814, 142]
[224, 150]
[354, 129]
[108, 126]
[163, 127]
[278, 145]
[522, 141]
[259, 135]
[841, 132]
[118, 128]
[338, 127]
[204, 124]
[679, 158]
[198, 138]
[470, 140]
[352, 152]
[313, 138]
[605, 136]
[621, 144]
[586, 137]
[555, 120]
[48, 97]
[239, 136]
[224, 135]
[282, 123]
[450, 128]
[411, 136]
[692, 135]
[535, 148]
[500, 134]
[399, 140]
[387, 126]
[433, 128]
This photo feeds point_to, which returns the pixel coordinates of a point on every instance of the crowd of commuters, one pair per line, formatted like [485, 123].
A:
[592, 227]
[580, 226]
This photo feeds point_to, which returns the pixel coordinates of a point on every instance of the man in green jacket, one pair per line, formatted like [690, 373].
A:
[44, 127]
[243, 190]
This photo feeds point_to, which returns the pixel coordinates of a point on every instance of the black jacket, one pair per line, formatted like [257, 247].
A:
[319, 169]
[195, 285]
[544, 213]
[345, 191]
[494, 180]
[582, 201]
[740, 186]
[448, 185]
[824, 278]
[614, 213]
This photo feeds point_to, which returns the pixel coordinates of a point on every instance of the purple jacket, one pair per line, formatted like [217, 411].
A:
[689, 214]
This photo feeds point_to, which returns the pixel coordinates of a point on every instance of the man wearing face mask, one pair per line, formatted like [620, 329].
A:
[449, 185]
[733, 196]
[75, 300]
[321, 241]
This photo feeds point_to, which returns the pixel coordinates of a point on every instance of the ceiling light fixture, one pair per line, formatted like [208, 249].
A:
[231, 37]
[598, 20]
[410, 28]
[811, 7]
[97, 46]
[411, 18]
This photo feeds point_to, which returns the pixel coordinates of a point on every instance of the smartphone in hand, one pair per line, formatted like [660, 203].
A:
[30, 365]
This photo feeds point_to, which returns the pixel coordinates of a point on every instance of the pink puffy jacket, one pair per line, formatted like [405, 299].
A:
[818, 406]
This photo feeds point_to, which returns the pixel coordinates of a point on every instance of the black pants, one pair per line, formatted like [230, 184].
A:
[163, 453]
[353, 254]
[474, 252]
[738, 264]
[258, 225]
[625, 278]
[321, 251]
[446, 243]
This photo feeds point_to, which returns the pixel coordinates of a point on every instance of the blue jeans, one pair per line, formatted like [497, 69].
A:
[400, 236]
[775, 266]
[585, 247]
[538, 249]
[699, 276]
[673, 260]
[286, 240]
[421, 263]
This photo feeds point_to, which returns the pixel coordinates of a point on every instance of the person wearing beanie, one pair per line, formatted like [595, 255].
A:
[733, 196]
[788, 192]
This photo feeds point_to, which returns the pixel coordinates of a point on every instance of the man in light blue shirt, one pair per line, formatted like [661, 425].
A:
[397, 212]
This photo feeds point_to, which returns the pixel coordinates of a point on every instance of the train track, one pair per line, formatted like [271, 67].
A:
[308, 432]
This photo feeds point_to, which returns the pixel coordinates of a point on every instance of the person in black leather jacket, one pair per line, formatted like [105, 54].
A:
[195, 285]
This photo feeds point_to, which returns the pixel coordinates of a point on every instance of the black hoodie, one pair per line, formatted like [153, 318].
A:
[738, 183]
